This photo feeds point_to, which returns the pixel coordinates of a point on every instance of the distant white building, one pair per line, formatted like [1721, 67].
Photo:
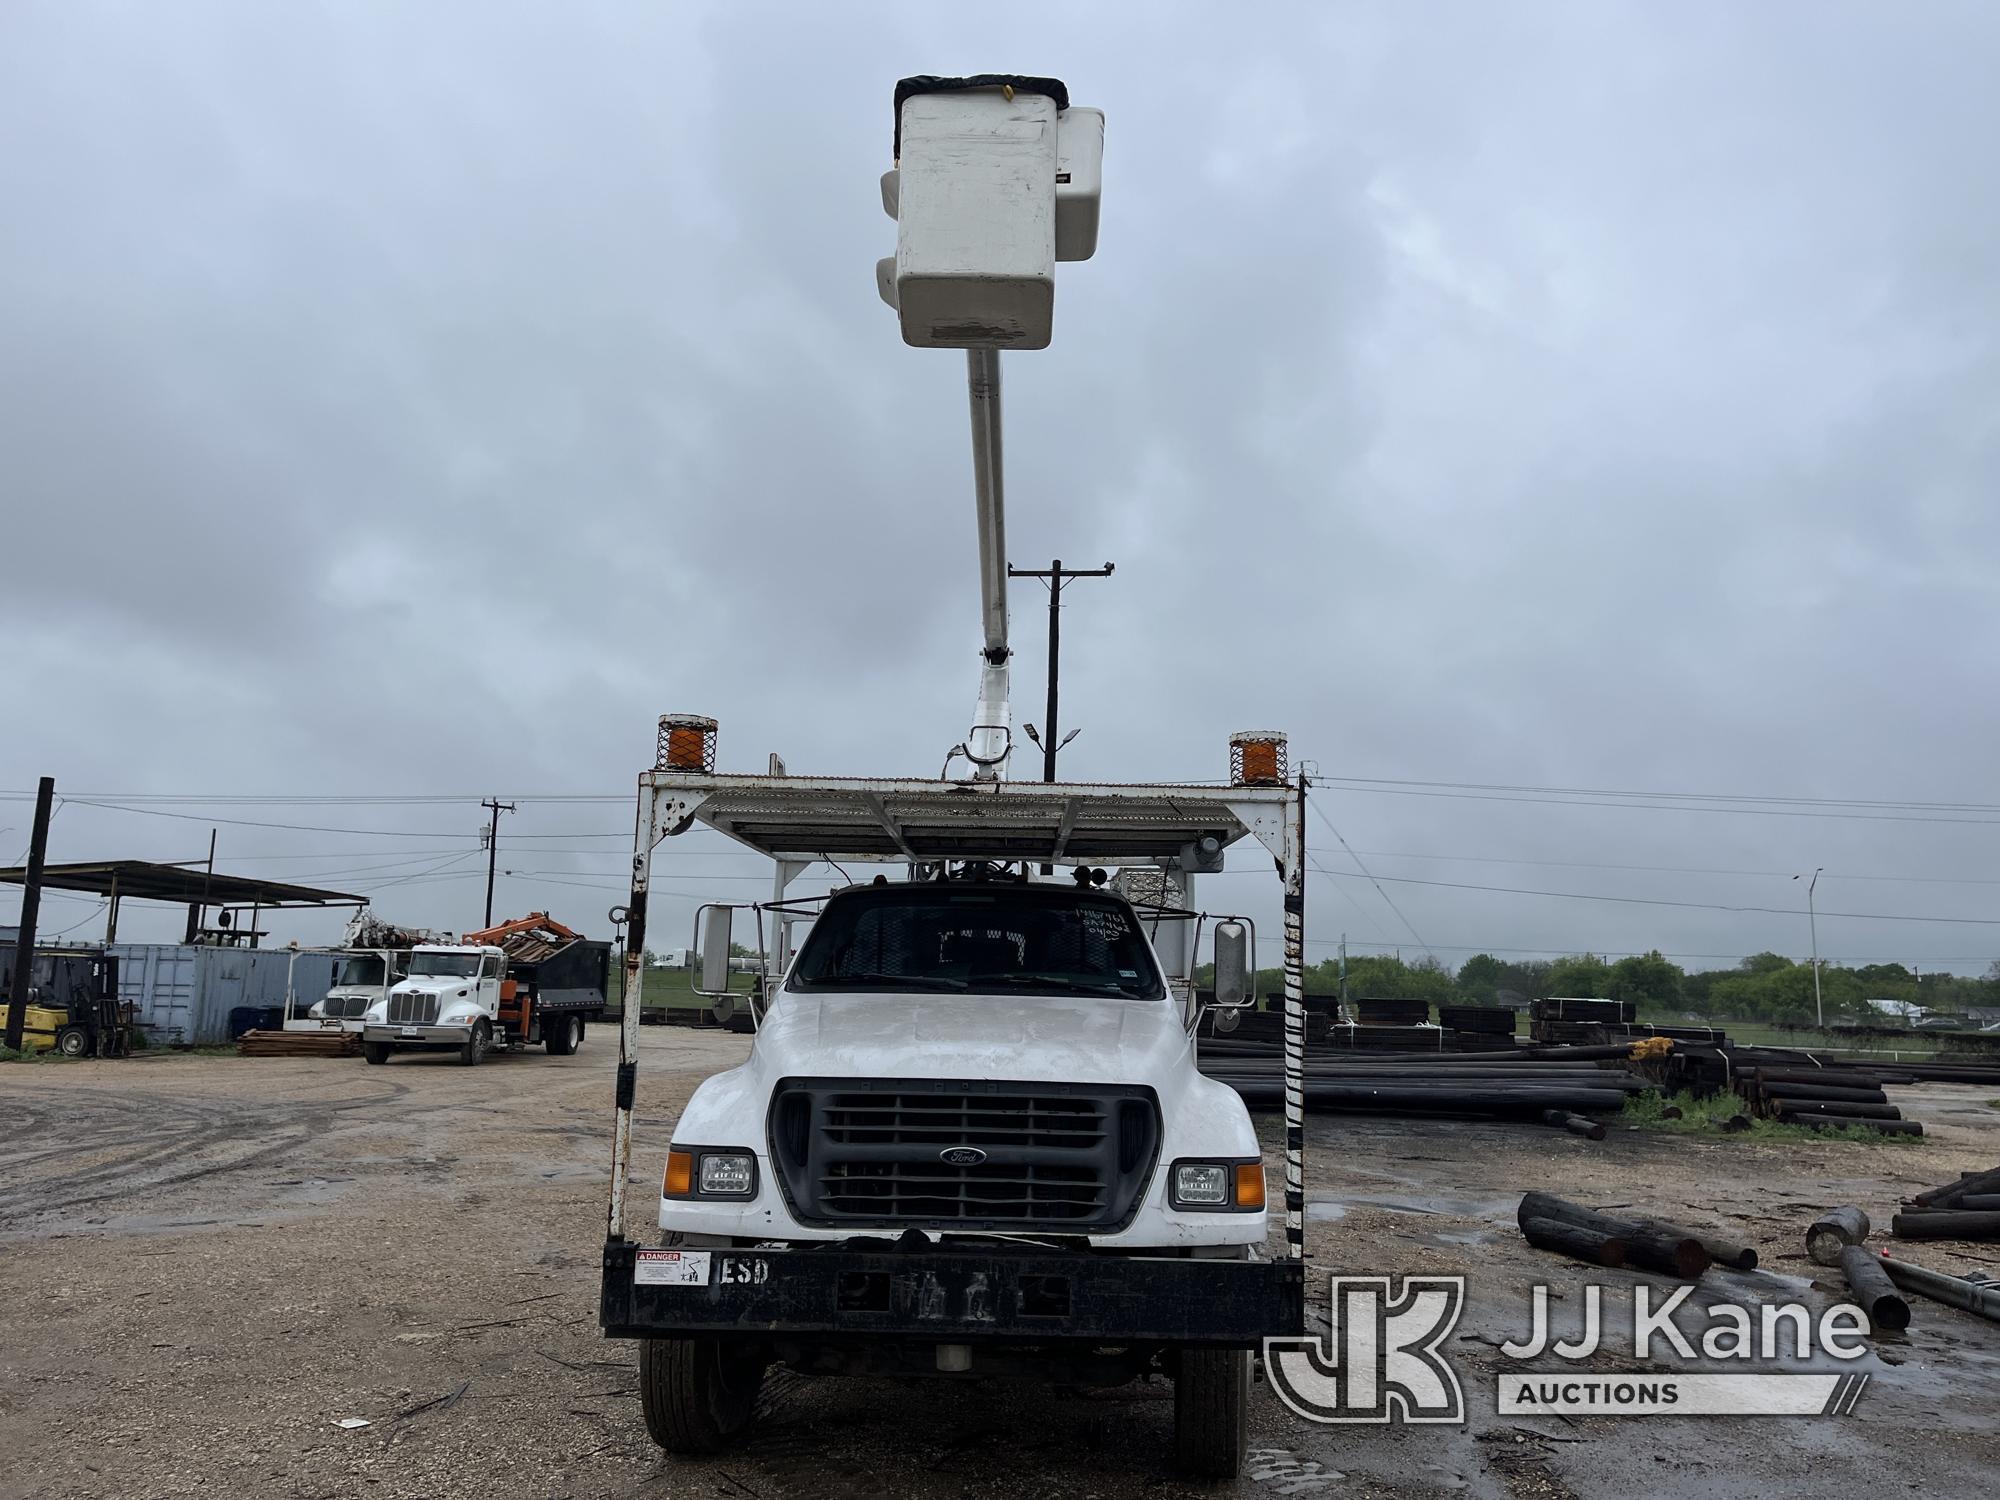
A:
[1905, 1011]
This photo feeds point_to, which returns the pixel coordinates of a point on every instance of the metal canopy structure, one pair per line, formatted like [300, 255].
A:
[142, 880]
[798, 819]
[194, 886]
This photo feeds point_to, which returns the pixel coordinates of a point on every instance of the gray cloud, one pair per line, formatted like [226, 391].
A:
[419, 401]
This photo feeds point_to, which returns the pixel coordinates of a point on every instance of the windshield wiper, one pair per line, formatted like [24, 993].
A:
[904, 981]
[1054, 981]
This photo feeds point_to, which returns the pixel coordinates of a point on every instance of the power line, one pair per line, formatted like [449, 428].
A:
[1578, 864]
[1314, 805]
[1899, 803]
[1780, 911]
[1683, 807]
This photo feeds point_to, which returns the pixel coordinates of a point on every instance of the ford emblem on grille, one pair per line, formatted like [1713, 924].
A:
[962, 1156]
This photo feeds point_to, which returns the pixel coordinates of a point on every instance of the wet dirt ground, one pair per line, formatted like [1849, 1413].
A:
[213, 1262]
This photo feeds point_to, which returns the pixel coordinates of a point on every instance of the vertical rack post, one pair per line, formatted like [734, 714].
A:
[1295, 1022]
[645, 834]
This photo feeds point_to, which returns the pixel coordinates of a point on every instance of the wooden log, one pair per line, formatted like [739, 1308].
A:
[1593, 1245]
[1737, 1124]
[1562, 1119]
[1986, 1203]
[1873, 1289]
[1833, 1231]
[1970, 1182]
[1946, 1224]
[1649, 1247]
[1846, 1122]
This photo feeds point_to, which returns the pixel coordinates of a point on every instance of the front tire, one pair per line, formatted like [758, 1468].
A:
[476, 1044]
[73, 1041]
[376, 1052]
[562, 1034]
[697, 1394]
[1212, 1412]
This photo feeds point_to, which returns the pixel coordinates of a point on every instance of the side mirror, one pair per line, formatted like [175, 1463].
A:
[712, 945]
[723, 1010]
[1233, 971]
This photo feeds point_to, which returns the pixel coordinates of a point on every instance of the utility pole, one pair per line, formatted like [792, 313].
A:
[1057, 576]
[31, 905]
[1812, 918]
[493, 848]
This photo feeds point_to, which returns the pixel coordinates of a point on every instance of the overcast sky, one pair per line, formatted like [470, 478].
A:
[405, 401]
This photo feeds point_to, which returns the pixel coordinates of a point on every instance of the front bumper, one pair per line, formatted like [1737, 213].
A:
[417, 1036]
[996, 1294]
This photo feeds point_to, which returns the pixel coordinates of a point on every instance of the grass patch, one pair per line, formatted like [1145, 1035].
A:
[1707, 1117]
[9, 1054]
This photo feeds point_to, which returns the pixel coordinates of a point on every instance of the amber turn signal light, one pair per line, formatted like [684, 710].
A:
[679, 1181]
[1250, 1185]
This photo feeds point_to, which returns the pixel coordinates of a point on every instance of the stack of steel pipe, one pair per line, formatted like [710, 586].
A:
[1824, 1098]
[1968, 1209]
[1526, 1083]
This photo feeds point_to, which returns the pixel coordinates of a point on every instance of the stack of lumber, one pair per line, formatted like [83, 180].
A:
[1574, 1020]
[299, 1044]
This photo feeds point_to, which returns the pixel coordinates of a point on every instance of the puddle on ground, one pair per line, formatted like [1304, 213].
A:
[1331, 1208]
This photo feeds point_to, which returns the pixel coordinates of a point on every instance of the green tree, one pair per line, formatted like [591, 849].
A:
[1479, 978]
[1647, 980]
[1765, 963]
[1579, 976]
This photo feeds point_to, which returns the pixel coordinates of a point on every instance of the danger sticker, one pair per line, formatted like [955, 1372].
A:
[671, 1268]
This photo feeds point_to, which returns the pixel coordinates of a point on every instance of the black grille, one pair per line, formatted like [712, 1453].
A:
[345, 1007]
[953, 1154]
[413, 1010]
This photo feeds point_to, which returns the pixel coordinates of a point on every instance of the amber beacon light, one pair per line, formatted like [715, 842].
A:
[1257, 758]
[687, 743]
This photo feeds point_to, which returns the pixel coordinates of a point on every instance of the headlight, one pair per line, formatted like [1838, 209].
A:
[703, 1173]
[1221, 1186]
[727, 1174]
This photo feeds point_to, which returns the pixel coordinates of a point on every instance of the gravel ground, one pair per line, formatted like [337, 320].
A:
[215, 1261]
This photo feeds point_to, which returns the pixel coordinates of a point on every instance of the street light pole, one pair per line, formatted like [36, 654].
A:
[1812, 919]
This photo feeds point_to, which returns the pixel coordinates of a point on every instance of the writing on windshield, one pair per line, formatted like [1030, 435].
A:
[993, 939]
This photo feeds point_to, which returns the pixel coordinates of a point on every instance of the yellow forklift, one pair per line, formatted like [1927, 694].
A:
[73, 1003]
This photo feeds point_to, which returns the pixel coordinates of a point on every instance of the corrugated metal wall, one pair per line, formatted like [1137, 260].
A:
[183, 994]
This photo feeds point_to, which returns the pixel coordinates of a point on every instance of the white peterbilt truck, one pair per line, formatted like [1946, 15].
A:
[970, 1139]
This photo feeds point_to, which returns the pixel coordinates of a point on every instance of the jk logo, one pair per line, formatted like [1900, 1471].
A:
[1380, 1361]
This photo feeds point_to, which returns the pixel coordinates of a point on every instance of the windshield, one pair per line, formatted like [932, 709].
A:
[1051, 939]
[451, 965]
[363, 970]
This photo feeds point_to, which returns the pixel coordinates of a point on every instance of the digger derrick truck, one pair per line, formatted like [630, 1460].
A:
[509, 987]
[970, 1139]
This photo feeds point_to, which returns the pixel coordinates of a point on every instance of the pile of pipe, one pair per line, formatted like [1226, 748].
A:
[1823, 1098]
[1968, 1209]
[1526, 1082]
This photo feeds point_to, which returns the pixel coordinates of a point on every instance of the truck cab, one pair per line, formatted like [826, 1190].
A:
[360, 989]
[970, 1055]
[451, 999]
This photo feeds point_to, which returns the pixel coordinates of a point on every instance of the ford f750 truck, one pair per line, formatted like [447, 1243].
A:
[970, 1139]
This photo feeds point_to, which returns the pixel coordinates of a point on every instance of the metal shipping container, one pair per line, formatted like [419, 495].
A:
[183, 993]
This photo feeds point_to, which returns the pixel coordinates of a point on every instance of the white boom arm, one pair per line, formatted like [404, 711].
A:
[992, 736]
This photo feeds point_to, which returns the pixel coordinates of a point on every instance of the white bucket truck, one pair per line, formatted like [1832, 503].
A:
[970, 1139]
